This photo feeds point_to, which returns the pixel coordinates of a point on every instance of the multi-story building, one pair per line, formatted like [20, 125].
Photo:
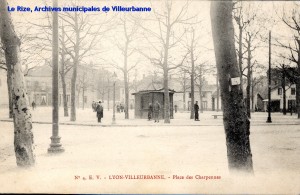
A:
[39, 87]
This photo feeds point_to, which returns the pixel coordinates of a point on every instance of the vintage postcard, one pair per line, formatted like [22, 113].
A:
[149, 97]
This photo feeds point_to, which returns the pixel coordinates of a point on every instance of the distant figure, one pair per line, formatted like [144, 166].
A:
[33, 105]
[121, 107]
[150, 111]
[175, 108]
[156, 109]
[118, 108]
[94, 106]
[196, 109]
[99, 110]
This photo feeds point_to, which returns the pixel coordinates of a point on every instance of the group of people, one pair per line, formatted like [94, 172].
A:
[98, 108]
[153, 110]
[120, 108]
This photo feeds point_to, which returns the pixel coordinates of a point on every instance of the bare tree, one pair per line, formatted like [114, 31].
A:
[23, 136]
[165, 39]
[242, 22]
[129, 26]
[236, 123]
[82, 37]
[291, 19]
[86, 78]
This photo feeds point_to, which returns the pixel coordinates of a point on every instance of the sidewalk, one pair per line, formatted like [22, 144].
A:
[86, 117]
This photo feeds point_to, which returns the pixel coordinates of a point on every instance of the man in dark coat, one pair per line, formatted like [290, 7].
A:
[150, 111]
[196, 109]
[156, 109]
[99, 110]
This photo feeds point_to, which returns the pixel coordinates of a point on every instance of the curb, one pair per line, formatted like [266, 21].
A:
[151, 125]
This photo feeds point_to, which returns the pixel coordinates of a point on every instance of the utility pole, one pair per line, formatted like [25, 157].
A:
[269, 120]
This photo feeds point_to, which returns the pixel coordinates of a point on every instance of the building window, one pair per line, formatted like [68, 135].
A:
[293, 91]
[279, 91]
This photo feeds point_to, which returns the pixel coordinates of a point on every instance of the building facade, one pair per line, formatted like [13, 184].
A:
[277, 98]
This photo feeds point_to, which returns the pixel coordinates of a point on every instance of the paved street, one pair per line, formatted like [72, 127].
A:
[140, 147]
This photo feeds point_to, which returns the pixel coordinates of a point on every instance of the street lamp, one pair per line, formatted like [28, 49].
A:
[114, 78]
[269, 120]
[55, 146]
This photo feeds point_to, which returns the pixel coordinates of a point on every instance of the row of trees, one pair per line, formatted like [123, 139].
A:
[164, 46]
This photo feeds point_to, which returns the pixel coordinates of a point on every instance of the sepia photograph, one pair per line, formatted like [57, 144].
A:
[149, 97]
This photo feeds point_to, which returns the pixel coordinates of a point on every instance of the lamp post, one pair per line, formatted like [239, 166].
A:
[55, 146]
[269, 120]
[114, 78]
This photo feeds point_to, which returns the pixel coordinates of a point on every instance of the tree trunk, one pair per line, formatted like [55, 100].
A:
[64, 88]
[126, 82]
[82, 98]
[184, 91]
[9, 87]
[23, 136]
[236, 123]
[283, 91]
[166, 98]
[298, 82]
[192, 85]
[218, 93]
[200, 89]
[252, 92]
[108, 91]
[63, 79]
[74, 75]
[166, 106]
[248, 77]
[241, 52]
[201, 99]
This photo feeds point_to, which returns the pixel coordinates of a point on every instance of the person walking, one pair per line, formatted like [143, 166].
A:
[150, 111]
[33, 105]
[196, 109]
[156, 110]
[99, 110]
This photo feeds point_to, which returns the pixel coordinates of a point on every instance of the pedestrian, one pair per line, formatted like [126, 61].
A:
[150, 111]
[156, 109]
[33, 105]
[118, 108]
[99, 110]
[94, 106]
[196, 109]
[175, 108]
